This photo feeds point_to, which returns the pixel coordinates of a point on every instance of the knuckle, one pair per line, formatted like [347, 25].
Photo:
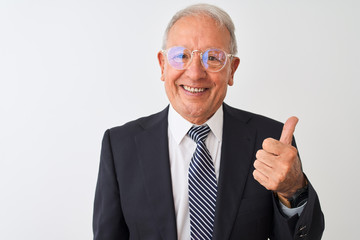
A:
[286, 166]
[258, 154]
[256, 176]
[276, 182]
[271, 186]
[291, 152]
[267, 142]
[281, 176]
[288, 157]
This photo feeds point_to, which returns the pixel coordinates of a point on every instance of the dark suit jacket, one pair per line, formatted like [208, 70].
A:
[134, 197]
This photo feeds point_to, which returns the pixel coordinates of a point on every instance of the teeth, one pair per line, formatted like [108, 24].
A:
[194, 90]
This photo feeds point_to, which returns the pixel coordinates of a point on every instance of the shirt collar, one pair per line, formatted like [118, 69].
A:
[180, 126]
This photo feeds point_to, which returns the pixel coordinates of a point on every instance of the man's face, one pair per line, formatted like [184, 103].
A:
[197, 33]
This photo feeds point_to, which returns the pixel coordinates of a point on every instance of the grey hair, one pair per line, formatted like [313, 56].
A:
[219, 15]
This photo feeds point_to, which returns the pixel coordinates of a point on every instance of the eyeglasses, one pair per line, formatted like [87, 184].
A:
[212, 59]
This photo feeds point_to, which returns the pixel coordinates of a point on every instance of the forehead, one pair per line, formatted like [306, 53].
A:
[198, 32]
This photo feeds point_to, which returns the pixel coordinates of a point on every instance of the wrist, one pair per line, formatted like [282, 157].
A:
[298, 198]
[283, 200]
[301, 183]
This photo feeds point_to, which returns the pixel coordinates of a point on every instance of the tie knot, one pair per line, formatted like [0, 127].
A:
[199, 133]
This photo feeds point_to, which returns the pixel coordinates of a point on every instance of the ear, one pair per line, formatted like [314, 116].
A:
[234, 65]
[161, 60]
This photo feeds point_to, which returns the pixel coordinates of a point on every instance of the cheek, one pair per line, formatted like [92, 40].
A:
[221, 86]
[171, 87]
[170, 77]
[223, 81]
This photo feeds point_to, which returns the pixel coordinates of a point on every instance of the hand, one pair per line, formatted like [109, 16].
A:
[277, 165]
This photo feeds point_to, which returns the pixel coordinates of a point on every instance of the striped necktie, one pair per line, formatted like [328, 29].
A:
[202, 187]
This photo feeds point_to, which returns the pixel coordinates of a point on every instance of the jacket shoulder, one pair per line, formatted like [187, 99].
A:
[251, 118]
[265, 126]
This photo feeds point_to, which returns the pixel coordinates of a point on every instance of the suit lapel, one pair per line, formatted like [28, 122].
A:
[153, 152]
[236, 159]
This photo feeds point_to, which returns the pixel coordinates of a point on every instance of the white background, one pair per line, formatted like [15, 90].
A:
[70, 69]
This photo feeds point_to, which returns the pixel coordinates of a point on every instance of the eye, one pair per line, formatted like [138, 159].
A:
[179, 54]
[213, 58]
[181, 57]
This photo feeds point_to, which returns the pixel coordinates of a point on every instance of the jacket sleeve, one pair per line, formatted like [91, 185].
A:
[108, 219]
[309, 225]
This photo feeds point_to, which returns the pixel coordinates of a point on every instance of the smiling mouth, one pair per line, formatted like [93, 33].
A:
[193, 90]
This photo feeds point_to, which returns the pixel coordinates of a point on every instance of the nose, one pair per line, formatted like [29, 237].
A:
[196, 70]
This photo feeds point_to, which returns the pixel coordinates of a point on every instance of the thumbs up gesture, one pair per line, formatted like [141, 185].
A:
[277, 165]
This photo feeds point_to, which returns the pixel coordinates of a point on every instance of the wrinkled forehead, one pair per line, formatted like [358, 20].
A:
[198, 32]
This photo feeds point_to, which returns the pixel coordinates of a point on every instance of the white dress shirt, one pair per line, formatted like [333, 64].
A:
[181, 150]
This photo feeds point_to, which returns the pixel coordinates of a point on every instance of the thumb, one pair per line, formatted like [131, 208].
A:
[288, 130]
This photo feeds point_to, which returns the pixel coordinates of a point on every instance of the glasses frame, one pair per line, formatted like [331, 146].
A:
[228, 55]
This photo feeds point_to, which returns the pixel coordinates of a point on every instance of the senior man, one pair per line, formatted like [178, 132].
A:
[201, 169]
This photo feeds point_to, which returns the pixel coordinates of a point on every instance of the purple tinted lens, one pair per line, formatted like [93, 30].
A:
[178, 57]
[214, 59]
